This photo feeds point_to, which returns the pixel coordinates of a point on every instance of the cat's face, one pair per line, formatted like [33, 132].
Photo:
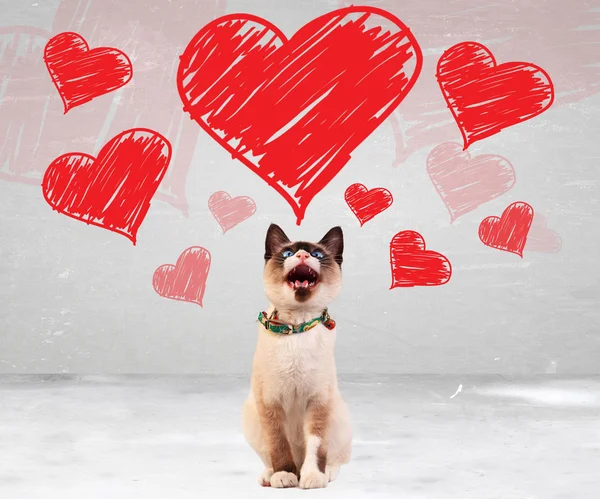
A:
[302, 274]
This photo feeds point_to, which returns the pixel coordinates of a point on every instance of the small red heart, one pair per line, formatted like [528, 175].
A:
[542, 239]
[114, 190]
[413, 265]
[464, 182]
[230, 212]
[367, 203]
[81, 74]
[186, 280]
[484, 97]
[509, 232]
[306, 102]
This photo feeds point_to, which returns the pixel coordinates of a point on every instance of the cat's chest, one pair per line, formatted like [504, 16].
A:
[301, 358]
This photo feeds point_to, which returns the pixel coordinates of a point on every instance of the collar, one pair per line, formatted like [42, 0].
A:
[273, 324]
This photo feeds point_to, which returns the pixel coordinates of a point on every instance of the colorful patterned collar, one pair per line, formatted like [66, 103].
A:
[273, 324]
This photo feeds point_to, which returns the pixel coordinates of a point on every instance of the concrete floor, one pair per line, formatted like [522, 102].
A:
[150, 437]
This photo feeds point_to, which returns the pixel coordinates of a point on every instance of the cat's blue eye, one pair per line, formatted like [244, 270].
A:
[317, 254]
[287, 254]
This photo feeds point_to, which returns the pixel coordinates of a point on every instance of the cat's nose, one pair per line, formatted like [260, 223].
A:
[303, 255]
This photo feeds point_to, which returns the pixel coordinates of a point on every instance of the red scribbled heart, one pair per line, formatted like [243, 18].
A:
[464, 182]
[367, 203]
[509, 232]
[484, 97]
[81, 74]
[294, 110]
[230, 212]
[114, 190]
[186, 280]
[413, 265]
[542, 239]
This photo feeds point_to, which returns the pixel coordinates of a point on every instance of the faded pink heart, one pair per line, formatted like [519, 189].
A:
[465, 182]
[542, 239]
[229, 211]
[186, 280]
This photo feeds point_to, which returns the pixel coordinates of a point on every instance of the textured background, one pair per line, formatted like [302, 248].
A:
[76, 298]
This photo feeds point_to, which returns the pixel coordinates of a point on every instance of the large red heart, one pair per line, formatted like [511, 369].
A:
[508, 232]
[186, 280]
[464, 182]
[112, 191]
[367, 203]
[484, 97]
[230, 212]
[81, 74]
[413, 265]
[294, 110]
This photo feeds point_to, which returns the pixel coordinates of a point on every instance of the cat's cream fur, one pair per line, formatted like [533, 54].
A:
[295, 418]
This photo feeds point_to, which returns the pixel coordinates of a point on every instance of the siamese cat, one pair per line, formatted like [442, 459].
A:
[295, 418]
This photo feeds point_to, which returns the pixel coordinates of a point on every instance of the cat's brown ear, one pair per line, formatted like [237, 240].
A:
[276, 238]
[334, 242]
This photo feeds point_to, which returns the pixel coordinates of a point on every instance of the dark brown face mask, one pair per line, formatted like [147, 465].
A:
[331, 245]
[302, 278]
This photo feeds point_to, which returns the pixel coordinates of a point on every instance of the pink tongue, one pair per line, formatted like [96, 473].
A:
[298, 284]
[305, 283]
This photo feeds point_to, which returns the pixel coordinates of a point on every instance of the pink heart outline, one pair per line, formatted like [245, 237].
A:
[186, 280]
[457, 176]
[228, 211]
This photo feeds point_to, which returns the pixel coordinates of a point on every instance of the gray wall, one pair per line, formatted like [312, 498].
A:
[75, 298]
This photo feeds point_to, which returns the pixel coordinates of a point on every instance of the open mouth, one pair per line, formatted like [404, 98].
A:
[302, 276]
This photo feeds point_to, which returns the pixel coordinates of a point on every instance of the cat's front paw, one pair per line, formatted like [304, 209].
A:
[313, 479]
[331, 472]
[265, 477]
[284, 480]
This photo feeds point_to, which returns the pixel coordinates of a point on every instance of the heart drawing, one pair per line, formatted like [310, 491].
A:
[367, 203]
[79, 73]
[413, 265]
[508, 232]
[542, 239]
[114, 190]
[464, 182]
[484, 97]
[230, 212]
[305, 103]
[186, 280]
